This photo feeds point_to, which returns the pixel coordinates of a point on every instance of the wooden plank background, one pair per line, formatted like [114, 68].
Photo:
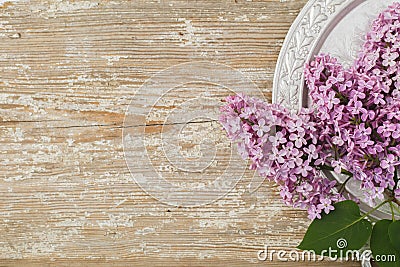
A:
[68, 71]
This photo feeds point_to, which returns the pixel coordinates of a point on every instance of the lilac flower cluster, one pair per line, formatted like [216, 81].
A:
[282, 147]
[359, 124]
[360, 107]
[352, 127]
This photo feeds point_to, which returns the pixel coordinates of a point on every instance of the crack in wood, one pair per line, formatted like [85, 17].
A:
[132, 126]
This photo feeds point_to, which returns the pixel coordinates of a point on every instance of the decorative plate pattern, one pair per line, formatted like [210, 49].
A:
[336, 27]
[307, 30]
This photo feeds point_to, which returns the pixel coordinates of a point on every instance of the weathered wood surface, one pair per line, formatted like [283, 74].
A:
[68, 70]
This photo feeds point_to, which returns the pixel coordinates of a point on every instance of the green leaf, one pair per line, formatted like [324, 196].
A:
[394, 234]
[342, 229]
[382, 249]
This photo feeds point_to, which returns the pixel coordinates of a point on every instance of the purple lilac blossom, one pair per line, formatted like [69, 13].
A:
[365, 110]
[284, 148]
[352, 126]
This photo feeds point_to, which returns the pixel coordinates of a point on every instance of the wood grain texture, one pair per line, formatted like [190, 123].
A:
[69, 69]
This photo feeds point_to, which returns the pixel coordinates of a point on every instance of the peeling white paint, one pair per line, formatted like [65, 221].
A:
[112, 59]
[189, 36]
[2, 2]
[242, 18]
[145, 231]
[67, 6]
[119, 203]
[122, 220]
[263, 17]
